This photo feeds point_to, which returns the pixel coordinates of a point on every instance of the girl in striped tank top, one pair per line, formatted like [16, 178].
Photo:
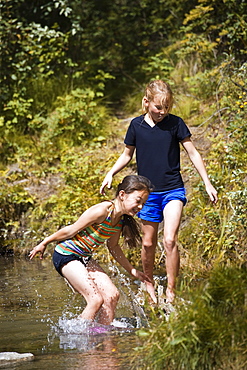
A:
[102, 222]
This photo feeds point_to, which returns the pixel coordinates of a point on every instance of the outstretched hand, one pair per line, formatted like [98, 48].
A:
[40, 248]
[106, 182]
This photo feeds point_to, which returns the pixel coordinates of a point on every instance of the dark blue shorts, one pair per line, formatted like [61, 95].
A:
[59, 260]
[154, 206]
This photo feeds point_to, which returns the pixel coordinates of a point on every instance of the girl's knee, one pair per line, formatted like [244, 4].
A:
[148, 243]
[112, 296]
[170, 243]
[95, 301]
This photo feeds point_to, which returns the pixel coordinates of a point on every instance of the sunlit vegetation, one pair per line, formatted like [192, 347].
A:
[206, 332]
[68, 70]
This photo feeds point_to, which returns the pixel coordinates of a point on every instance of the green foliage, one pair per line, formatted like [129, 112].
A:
[29, 50]
[215, 27]
[77, 116]
[186, 107]
[55, 188]
[17, 114]
[55, 147]
[50, 41]
[158, 67]
[15, 201]
[206, 332]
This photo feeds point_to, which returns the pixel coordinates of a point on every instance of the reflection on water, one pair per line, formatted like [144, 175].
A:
[38, 314]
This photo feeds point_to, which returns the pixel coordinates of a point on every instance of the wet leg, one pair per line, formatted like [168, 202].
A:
[108, 291]
[79, 278]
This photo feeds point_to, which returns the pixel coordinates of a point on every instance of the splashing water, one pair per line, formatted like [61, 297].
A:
[79, 326]
[83, 335]
[125, 282]
[43, 319]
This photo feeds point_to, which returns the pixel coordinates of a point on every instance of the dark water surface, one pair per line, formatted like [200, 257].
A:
[36, 312]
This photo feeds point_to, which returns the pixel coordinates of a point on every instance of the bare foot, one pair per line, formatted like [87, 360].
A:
[170, 295]
[151, 292]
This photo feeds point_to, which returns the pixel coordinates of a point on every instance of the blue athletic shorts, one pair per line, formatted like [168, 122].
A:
[59, 260]
[154, 206]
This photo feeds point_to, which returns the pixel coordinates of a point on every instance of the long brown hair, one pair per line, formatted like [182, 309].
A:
[131, 228]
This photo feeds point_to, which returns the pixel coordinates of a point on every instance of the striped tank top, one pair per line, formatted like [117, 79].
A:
[89, 239]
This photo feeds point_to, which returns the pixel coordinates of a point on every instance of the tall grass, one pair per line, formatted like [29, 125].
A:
[208, 331]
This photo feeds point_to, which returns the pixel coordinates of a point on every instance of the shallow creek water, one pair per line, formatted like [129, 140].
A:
[38, 314]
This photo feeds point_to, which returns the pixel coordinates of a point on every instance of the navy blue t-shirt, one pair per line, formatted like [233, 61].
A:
[157, 150]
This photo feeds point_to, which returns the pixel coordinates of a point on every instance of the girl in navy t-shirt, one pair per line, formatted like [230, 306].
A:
[156, 136]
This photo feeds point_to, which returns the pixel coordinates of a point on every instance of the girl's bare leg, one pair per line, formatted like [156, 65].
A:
[96, 287]
[172, 216]
[78, 276]
[107, 290]
[149, 242]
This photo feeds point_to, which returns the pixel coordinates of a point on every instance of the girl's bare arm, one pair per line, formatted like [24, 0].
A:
[196, 159]
[119, 256]
[122, 161]
[94, 214]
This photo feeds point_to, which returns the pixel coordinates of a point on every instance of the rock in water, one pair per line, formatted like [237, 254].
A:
[14, 356]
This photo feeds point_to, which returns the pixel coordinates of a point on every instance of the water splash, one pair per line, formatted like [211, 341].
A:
[84, 335]
[125, 282]
[80, 326]
[77, 333]
[72, 326]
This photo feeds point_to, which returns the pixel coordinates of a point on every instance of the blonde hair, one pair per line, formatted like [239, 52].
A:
[158, 87]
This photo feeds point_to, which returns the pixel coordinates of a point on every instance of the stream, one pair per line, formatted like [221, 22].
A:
[38, 314]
